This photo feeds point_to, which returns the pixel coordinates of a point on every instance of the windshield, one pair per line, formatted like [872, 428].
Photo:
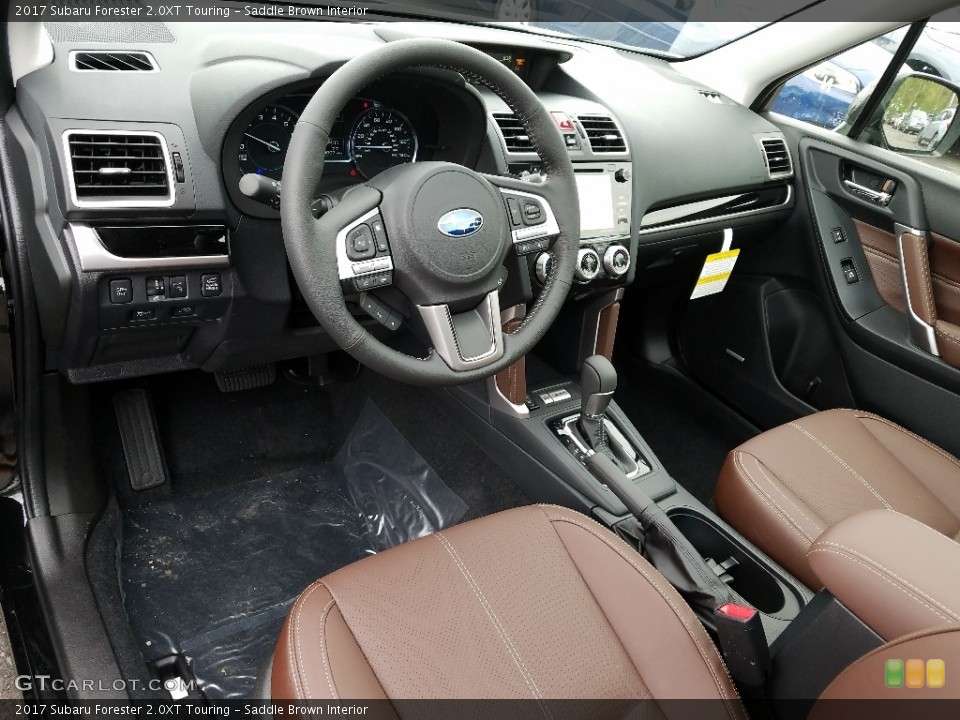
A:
[676, 28]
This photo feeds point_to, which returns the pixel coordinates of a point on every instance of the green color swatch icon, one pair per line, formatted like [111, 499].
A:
[894, 673]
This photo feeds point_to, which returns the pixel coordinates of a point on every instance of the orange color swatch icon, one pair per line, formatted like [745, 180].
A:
[915, 673]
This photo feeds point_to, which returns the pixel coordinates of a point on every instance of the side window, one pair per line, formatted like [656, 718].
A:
[822, 94]
[916, 115]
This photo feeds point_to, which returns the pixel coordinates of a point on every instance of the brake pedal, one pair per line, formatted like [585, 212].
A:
[246, 378]
[141, 439]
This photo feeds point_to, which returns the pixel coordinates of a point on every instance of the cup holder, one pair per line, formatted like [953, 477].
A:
[753, 580]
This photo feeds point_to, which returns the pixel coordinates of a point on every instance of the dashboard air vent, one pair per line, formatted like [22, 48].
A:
[603, 133]
[715, 97]
[776, 157]
[515, 135]
[118, 168]
[103, 60]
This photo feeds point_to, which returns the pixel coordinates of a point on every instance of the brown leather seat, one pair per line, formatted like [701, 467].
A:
[786, 486]
[533, 603]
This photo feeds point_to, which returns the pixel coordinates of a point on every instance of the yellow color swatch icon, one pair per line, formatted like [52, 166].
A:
[936, 673]
[914, 673]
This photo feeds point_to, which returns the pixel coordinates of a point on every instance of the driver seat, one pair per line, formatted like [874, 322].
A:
[533, 603]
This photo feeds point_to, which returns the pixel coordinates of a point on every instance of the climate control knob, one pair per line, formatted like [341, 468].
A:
[616, 261]
[588, 265]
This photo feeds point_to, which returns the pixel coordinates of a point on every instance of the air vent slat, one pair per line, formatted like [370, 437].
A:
[112, 61]
[515, 135]
[603, 134]
[110, 167]
[776, 156]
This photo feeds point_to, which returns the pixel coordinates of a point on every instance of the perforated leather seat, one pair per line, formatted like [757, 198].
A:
[532, 603]
[786, 486]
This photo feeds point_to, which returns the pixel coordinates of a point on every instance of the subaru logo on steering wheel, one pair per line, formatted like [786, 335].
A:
[460, 223]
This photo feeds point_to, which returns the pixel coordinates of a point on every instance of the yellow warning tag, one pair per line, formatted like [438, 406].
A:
[716, 270]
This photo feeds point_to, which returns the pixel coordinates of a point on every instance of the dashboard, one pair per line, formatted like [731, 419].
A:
[148, 257]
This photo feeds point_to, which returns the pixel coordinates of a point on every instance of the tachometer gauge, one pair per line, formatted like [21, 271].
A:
[264, 143]
[382, 138]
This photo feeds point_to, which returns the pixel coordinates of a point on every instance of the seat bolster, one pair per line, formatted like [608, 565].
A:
[647, 615]
[317, 656]
[751, 498]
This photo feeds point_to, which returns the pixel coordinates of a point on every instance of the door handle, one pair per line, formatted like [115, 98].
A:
[878, 197]
[912, 246]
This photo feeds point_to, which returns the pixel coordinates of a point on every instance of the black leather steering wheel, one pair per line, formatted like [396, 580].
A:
[439, 232]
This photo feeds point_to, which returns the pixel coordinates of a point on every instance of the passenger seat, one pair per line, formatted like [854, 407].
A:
[786, 486]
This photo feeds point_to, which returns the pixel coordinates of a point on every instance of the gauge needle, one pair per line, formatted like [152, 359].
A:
[274, 145]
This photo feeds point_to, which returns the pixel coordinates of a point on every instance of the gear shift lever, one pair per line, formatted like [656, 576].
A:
[598, 381]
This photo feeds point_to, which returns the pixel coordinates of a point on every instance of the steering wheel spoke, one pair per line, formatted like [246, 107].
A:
[466, 340]
[533, 224]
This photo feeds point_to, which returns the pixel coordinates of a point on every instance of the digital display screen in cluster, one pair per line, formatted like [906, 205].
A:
[516, 61]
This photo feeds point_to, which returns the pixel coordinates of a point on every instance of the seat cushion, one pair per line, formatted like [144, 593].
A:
[532, 603]
[784, 487]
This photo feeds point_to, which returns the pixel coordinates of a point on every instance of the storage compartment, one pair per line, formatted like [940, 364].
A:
[753, 579]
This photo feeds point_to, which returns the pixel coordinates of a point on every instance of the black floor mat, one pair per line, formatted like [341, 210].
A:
[212, 574]
[689, 430]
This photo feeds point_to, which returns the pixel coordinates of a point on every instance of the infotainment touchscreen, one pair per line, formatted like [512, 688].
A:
[596, 203]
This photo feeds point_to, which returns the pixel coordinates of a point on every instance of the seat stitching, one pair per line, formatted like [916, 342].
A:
[937, 449]
[763, 472]
[300, 676]
[769, 502]
[840, 460]
[646, 690]
[327, 670]
[703, 654]
[892, 574]
[495, 621]
[884, 578]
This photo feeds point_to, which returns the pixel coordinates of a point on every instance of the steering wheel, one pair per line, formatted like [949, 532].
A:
[438, 232]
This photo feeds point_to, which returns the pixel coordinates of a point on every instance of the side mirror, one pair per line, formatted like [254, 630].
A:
[918, 113]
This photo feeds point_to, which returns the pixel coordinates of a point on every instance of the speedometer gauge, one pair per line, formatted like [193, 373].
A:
[382, 138]
[264, 143]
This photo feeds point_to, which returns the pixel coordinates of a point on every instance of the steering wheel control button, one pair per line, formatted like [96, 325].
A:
[380, 312]
[588, 265]
[360, 243]
[210, 285]
[533, 213]
[374, 280]
[121, 291]
[379, 235]
[616, 261]
[513, 207]
[177, 286]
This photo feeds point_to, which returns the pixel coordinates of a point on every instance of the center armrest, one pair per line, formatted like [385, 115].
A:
[894, 573]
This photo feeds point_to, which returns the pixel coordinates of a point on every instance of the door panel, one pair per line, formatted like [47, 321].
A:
[893, 220]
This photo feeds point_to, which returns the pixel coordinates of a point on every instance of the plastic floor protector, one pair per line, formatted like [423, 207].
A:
[212, 575]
